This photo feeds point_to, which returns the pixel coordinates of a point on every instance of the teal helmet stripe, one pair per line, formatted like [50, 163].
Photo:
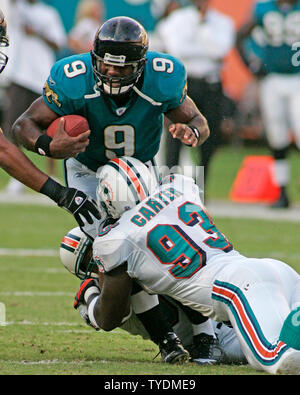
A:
[138, 175]
[127, 179]
[66, 247]
[70, 242]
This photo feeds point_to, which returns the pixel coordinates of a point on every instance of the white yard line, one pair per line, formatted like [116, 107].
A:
[26, 198]
[230, 209]
[28, 252]
[30, 293]
[52, 362]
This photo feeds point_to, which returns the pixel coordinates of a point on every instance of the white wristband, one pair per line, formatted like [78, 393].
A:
[91, 312]
[195, 131]
[90, 291]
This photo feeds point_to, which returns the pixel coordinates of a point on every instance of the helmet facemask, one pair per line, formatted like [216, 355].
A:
[76, 254]
[3, 61]
[116, 85]
[121, 42]
[3, 42]
[85, 264]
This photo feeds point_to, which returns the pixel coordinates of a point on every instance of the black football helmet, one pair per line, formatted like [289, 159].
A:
[120, 41]
[3, 41]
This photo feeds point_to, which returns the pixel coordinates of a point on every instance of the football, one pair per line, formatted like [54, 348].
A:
[74, 125]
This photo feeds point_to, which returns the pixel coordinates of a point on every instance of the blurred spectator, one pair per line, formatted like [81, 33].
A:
[144, 11]
[66, 10]
[201, 37]
[277, 68]
[36, 33]
[147, 12]
[89, 16]
[165, 9]
[5, 7]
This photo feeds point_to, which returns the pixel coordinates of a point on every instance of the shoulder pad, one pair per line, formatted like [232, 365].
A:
[110, 251]
[72, 75]
[184, 184]
[165, 78]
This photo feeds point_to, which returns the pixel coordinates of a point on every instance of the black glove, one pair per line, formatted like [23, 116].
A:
[88, 284]
[73, 200]
[78, 203]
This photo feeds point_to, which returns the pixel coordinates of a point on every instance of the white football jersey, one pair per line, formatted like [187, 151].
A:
[168, 242]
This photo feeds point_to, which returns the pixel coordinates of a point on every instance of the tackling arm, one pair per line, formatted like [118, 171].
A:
[186, 118]
[114, 302]
[17, 165]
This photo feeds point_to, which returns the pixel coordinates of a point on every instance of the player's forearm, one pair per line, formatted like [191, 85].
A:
[109, 316]
[25, 132]
[188, 115]
[32, 123]
[112, 306]
[17, 165]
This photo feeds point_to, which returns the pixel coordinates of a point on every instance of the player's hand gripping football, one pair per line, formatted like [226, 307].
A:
[79, 204]
[65, 146]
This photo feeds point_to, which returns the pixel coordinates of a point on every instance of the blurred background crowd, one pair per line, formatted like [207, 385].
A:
[224, 89]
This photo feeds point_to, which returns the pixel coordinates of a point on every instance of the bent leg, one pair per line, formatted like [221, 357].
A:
[257, 303]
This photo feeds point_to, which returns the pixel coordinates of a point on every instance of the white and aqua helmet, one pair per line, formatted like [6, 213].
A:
[76, 254]
[123, 183]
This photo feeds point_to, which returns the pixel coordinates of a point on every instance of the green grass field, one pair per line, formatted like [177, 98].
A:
[45, 335]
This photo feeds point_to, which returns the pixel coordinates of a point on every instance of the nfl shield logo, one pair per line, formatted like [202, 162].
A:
[78, 200]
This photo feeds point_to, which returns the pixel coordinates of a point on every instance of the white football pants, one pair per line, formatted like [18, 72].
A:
[256, 296]
[279, 103]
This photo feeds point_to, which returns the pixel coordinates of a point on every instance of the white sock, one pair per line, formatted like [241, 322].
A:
[282, 172]
[205, 327]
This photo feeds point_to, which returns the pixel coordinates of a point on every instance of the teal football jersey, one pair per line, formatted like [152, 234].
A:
[281, 28]
[133, 130]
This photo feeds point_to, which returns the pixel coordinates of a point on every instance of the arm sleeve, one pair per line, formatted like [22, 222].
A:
[172, 84]
[185, 185]
[59, 92]
[109, 253]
